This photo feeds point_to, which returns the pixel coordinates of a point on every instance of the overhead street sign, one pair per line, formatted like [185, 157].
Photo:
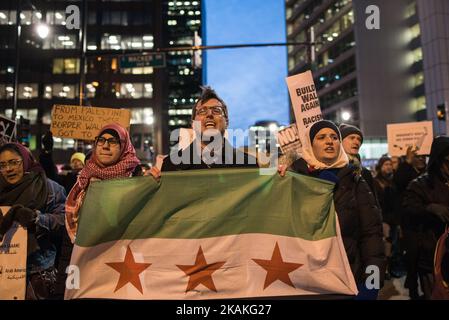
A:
[155, 60]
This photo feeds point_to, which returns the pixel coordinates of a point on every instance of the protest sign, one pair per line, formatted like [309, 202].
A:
[13, 255]
[7, 129]
[83, 123]
[416, 134]
[305, 103]
[288, 139]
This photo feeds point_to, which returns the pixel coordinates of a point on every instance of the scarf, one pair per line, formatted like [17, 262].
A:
[307, 154]
[31, 191]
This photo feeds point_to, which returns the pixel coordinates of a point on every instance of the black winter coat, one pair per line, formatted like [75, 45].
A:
[231, 158]
[428, 228]
[359, 218]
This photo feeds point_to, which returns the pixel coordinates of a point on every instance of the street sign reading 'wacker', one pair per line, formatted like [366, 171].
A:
[155, 60]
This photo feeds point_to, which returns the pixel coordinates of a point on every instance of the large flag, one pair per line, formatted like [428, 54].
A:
[210, 234]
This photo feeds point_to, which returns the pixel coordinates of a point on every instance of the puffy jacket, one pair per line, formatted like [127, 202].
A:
[359, 217]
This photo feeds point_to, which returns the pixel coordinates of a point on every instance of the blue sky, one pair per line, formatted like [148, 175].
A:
[250, 80]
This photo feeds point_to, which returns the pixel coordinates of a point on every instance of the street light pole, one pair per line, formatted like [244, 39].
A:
[17, 66]
[83, 41]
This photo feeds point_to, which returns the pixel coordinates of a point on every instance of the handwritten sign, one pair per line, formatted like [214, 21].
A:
[7, 129]
[84, 123]
[288, 139]
[415, 134]
[13, 255]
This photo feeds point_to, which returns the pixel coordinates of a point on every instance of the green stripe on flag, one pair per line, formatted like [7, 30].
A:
[207, 203]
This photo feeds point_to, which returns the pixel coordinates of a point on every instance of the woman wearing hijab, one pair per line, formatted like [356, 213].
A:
[113, 157]
[37, 203]
[359, 217]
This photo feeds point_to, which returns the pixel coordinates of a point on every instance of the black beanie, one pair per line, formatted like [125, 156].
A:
[317, 126]
[112, 132]
[347, 129]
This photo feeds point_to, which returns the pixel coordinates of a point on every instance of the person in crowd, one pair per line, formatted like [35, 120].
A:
[113, 156]
[389, 202]
[359, 217]
[410, 168]
[395, 161]
[37, 203]
[210, 149]
[426, 205]
[68, 179]
[46, 157]
[352, 140]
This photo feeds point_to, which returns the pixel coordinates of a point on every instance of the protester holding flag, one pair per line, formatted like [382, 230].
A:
[359, 217]
[426, 205]
[37, 203]
[210, 149]
[113, 157]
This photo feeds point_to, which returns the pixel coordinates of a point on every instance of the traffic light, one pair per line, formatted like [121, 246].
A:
[441, 112]
[23, 131]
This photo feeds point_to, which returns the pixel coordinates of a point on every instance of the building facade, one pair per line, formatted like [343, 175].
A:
[49, 69]
[372, 77]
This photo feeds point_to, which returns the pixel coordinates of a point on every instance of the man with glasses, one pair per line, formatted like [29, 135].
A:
[210, 148]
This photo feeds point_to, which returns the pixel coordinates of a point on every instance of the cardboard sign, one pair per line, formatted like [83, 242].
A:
[13, 259]
[415, 134]
[84, 123]
[288, 139]
[7, 129]
[305, 103]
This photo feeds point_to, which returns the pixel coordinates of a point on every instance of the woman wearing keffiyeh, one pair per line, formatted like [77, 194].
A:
[113, 157]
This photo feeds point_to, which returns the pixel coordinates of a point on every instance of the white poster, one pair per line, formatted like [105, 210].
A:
[288, 139]
[305, 102]
[13, 258]
[416, 134]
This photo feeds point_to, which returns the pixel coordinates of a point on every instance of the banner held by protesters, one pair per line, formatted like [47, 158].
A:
[244, 237]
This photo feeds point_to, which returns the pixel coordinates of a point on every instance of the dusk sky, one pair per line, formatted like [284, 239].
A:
[250, 80]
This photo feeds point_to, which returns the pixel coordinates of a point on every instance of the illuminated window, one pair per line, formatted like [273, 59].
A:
[68, 41]
[60, 90]
[142, 116]
[28, 90]
[410, 10]
[118, 42]
[6, 91]
[56, 18]
[7, 17]
[134, 90]
[65, 66]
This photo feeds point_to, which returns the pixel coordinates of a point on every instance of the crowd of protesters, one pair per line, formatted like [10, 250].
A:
[390, 217]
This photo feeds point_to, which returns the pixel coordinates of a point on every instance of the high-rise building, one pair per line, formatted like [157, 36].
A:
[367, 76]
[49, 69]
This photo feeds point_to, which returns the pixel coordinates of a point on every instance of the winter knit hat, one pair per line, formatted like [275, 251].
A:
[79, 156]
[317, 126]
[347, 129]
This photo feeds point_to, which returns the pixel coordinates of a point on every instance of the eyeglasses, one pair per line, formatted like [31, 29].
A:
[14, 163]
[216, 111]
[100, 141]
